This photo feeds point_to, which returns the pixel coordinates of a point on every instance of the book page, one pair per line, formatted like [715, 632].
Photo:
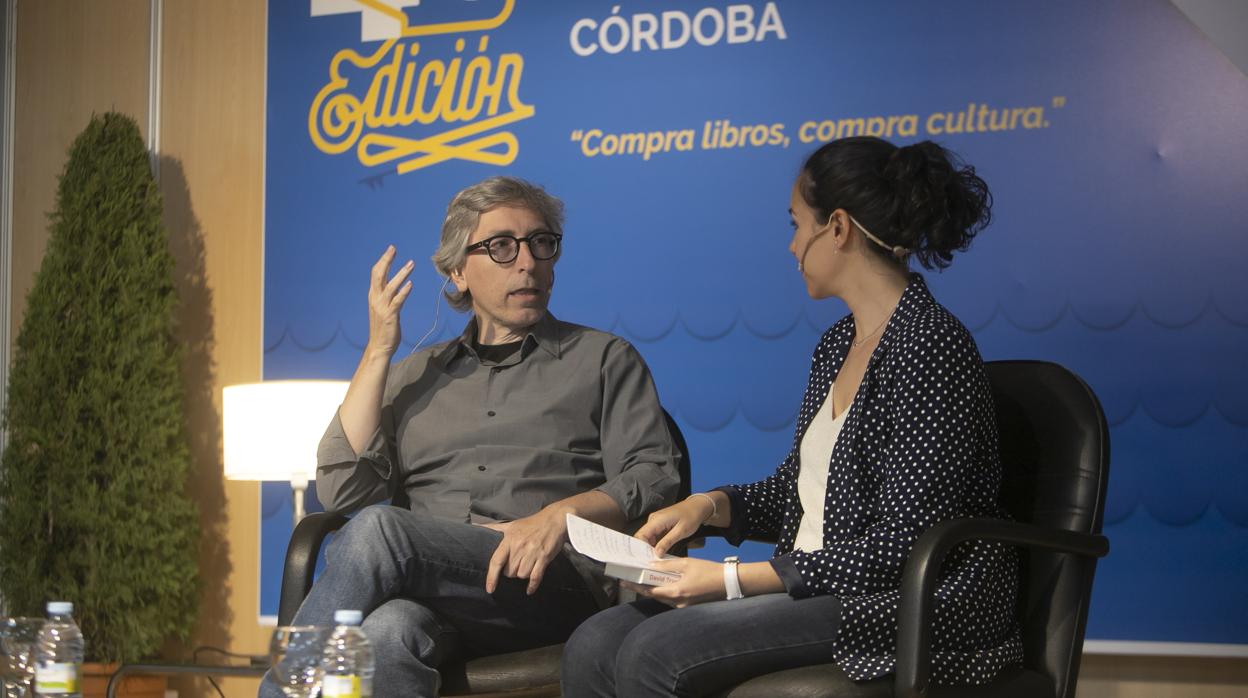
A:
[606, 545]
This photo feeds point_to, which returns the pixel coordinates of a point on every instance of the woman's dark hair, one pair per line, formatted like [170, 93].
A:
[920, 197]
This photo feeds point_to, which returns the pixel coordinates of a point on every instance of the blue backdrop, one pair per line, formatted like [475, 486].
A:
[1111, 133]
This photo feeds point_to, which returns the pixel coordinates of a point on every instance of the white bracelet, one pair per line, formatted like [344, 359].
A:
[732, 579]
[709, 498]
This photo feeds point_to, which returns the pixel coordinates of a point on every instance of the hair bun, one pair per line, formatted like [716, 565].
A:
[918, 198]
[940, 203]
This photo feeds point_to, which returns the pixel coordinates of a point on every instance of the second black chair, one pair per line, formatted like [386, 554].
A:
[1055, 458]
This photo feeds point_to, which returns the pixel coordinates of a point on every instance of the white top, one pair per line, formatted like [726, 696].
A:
[812, 477]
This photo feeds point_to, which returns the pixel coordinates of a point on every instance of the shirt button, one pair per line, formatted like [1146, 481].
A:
[491, 413]
[481, 467]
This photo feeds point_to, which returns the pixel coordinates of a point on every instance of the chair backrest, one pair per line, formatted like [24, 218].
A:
[1055, 458]
[685, 467]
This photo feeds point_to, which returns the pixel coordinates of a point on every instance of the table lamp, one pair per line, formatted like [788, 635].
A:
[271, 430]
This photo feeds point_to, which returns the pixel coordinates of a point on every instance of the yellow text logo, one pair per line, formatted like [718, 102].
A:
[371, 102]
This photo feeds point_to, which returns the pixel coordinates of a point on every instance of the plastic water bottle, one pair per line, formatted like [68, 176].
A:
[347, 663]
[59, 653]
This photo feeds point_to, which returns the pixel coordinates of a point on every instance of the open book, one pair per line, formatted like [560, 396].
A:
[626, 557]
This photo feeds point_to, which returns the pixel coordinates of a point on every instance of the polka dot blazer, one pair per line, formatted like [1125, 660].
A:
[918, 446]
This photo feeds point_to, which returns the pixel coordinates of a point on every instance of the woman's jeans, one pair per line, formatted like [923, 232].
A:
[420, 582]
[649, 649]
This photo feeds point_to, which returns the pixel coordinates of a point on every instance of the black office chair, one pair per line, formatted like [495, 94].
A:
[530, 673]
[1055, 457]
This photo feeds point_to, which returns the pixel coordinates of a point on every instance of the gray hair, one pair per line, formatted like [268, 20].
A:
[463, 215]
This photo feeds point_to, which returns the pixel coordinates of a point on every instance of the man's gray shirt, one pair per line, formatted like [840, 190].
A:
[575, 409]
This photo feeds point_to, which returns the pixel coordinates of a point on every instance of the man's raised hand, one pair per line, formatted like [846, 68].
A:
[385, 300]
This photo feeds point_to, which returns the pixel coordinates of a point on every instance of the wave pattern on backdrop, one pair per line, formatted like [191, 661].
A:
[1111, 134]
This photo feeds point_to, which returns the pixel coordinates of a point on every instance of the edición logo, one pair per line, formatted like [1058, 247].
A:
[372, 102]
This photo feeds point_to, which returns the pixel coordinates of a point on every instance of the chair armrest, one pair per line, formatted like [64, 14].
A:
[301, 554]
[918, 583]
[705, 532]
[698, 539]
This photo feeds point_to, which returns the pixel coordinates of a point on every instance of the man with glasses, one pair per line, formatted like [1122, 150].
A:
[486, 442]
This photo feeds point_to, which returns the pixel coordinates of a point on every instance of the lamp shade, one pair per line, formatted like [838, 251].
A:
[271, 429]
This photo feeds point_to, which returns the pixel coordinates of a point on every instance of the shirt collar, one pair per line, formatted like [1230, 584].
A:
[914, 301]
[545, 334]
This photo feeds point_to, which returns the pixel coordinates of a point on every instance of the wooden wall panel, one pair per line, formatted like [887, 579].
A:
[212, 133]
[1108, 676]
[78, 57]
[74, 59]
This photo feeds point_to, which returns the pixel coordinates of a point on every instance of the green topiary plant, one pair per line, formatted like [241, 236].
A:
[93, 501]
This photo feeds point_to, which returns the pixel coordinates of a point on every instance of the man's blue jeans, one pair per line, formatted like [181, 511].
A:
[648, 649]
[420, 582]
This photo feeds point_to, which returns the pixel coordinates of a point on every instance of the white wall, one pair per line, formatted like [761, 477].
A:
[1225, 22]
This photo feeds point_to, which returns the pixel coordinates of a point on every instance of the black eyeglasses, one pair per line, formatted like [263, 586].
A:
[504, 248]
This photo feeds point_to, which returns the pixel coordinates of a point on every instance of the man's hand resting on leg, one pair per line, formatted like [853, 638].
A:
[529, 544]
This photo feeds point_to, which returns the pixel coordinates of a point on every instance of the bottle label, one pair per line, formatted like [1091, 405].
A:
[340, 686]
[55, 678]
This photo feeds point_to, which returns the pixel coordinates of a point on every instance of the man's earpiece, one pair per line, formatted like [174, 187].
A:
[437, 311]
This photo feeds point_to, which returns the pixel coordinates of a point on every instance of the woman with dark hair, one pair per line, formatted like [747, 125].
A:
[896, 432]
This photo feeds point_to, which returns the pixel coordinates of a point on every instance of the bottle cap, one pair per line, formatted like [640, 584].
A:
[348, 617]
[60, 608]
